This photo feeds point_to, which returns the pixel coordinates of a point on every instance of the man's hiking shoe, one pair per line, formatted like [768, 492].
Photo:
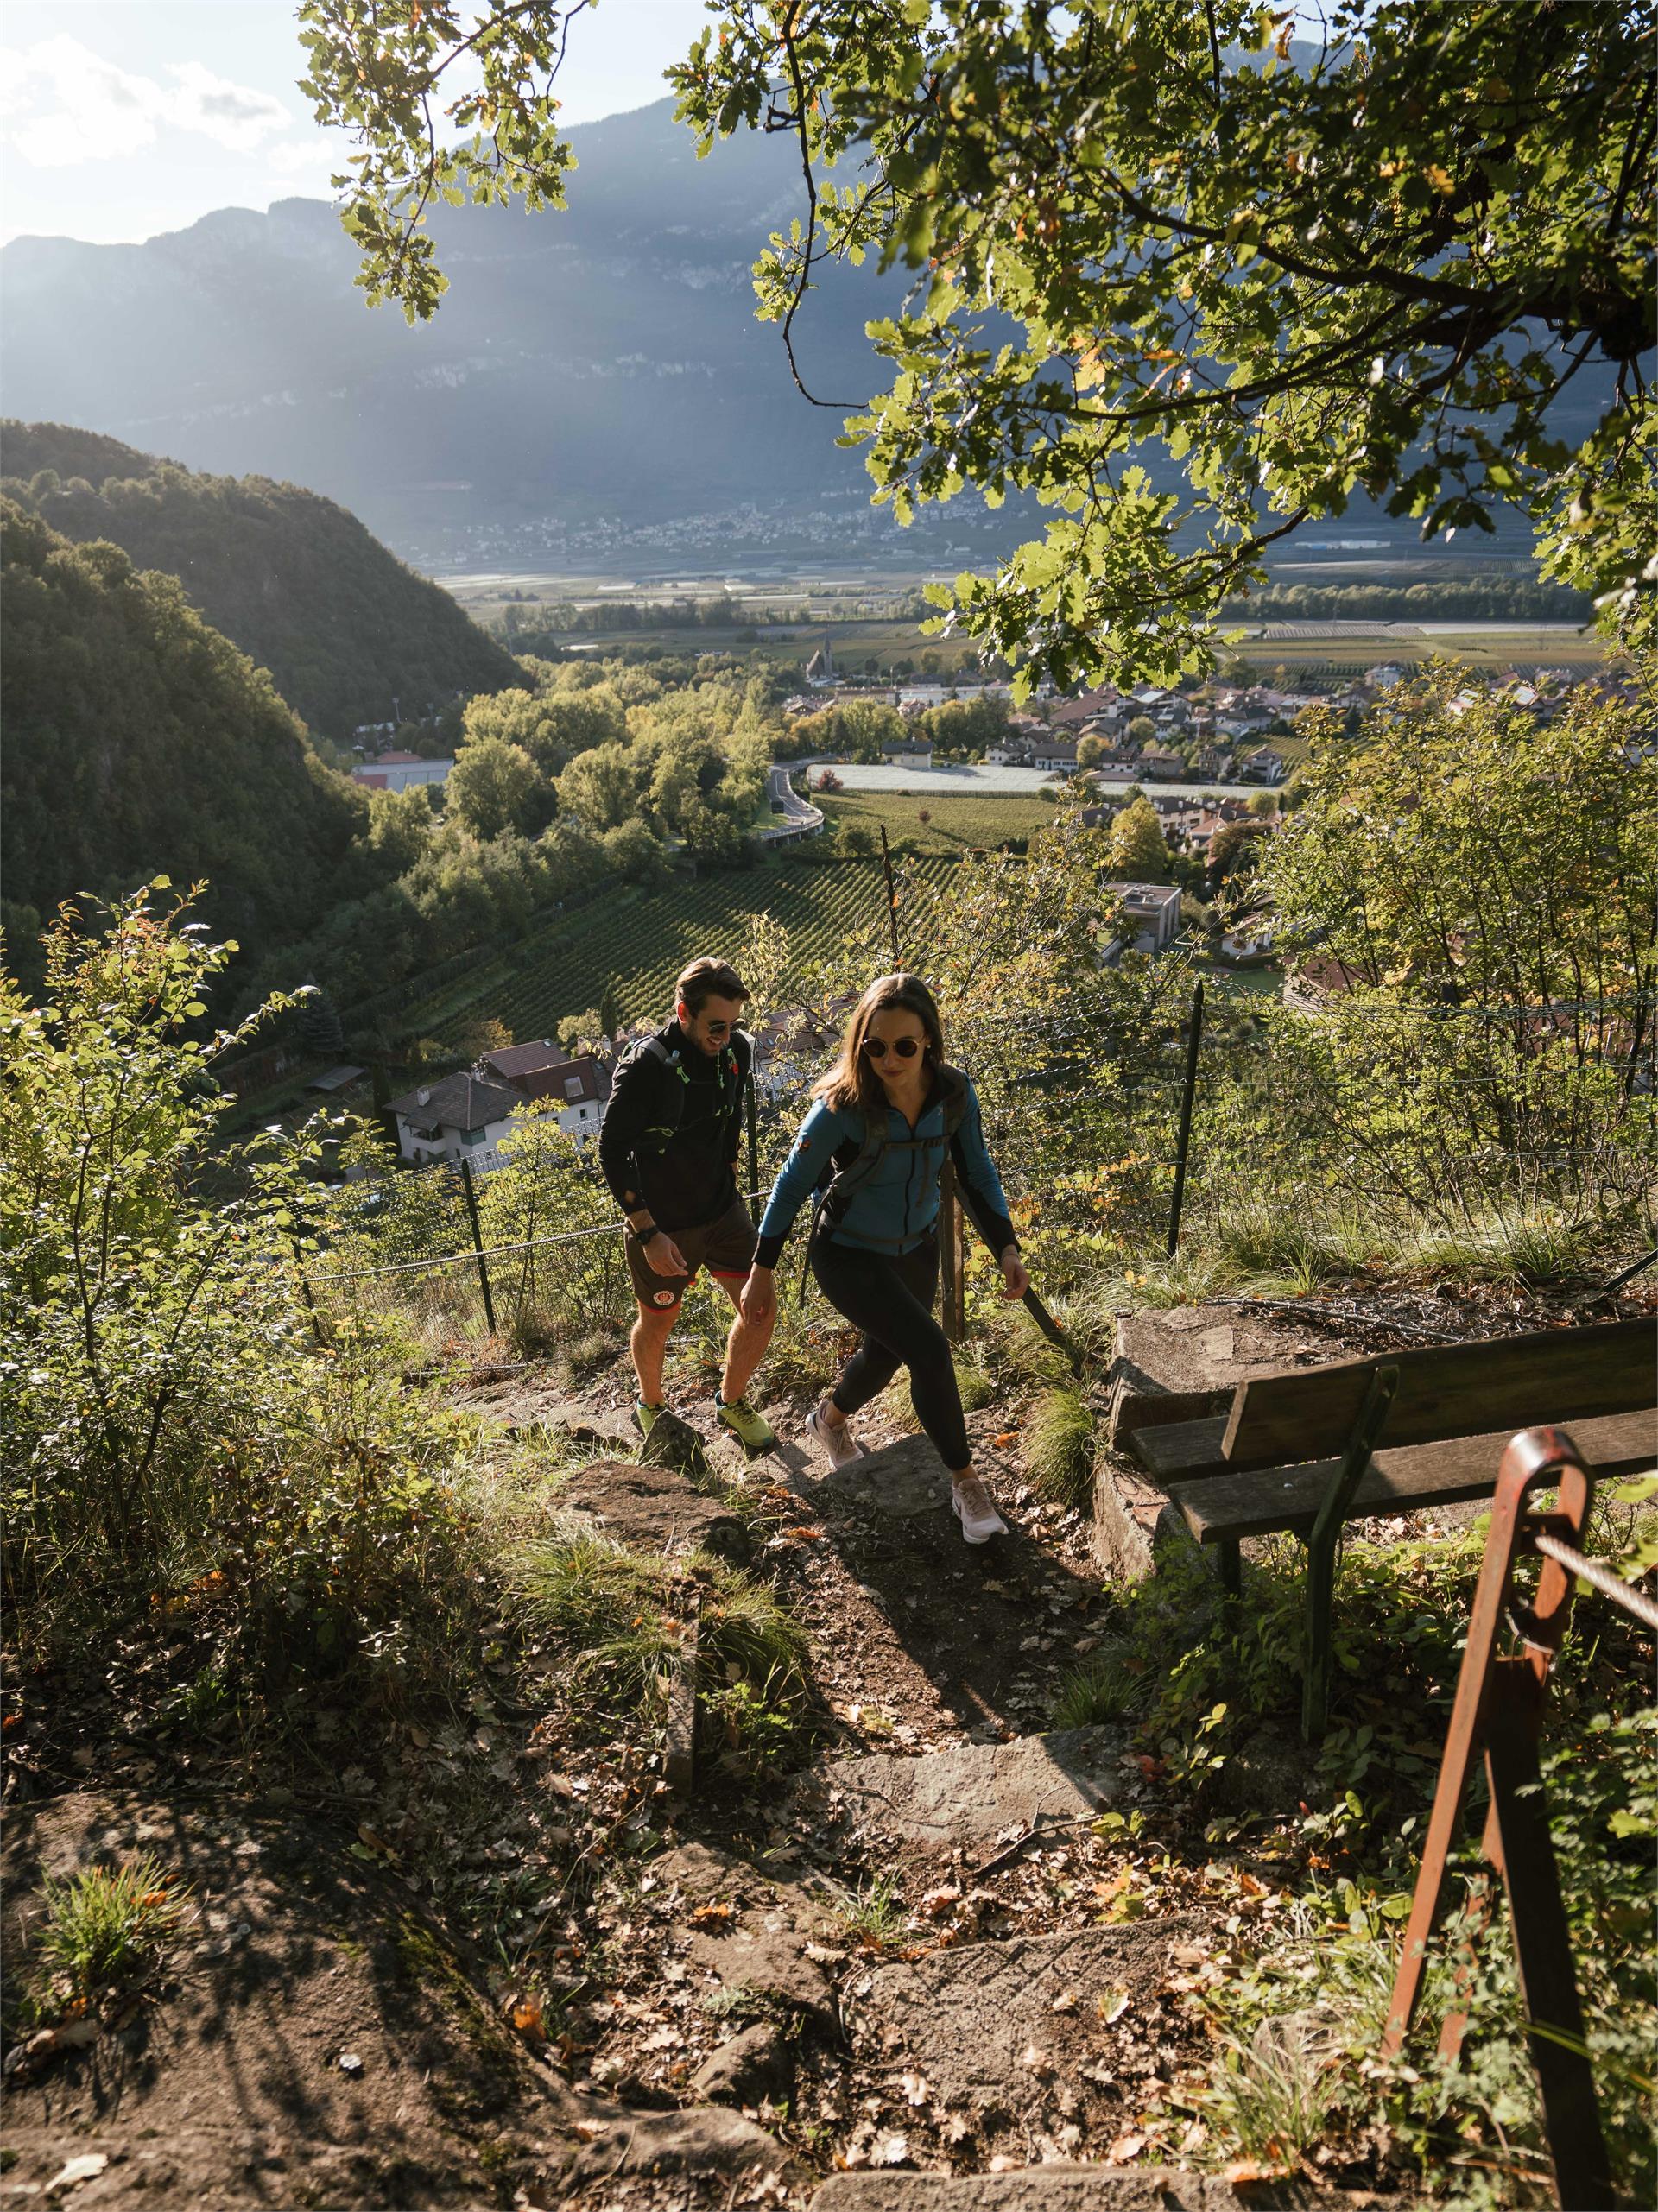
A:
[751, 1428]
[645, 1418]
[978, 1515]
[840, 1445]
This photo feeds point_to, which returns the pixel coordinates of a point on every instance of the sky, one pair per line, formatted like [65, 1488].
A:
[120, 119]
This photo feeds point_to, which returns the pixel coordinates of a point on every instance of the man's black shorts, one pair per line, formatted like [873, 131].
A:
[725, 1247]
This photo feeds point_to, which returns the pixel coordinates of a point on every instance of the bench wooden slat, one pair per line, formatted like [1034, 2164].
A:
[1400, 1479]
[1551, 1376]
[1181, 1450]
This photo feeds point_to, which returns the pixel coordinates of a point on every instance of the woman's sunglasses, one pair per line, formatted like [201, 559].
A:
[906, 1047]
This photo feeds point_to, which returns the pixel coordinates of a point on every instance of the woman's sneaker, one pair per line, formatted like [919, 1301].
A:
[974, 1510]
[839, 1444]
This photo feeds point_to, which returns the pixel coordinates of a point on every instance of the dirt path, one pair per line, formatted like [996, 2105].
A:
[958, 1943]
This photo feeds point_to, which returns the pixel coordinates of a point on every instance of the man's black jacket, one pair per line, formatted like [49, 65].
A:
[671, 1131]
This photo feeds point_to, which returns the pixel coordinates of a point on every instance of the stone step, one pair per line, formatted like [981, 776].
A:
[1039, 2189]
[1021, 2021]
[973, 1794]
[1181, 1363]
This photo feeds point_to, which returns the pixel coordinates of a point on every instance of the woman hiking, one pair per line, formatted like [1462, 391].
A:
[886, 1114]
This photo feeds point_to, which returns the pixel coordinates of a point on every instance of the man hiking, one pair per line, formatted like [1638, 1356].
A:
[668, 1149]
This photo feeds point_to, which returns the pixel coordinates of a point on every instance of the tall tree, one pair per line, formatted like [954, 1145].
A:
[1138, 852]
[1415, 261]
[494, 787]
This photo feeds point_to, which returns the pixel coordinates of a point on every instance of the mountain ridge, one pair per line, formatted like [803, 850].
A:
[348, 633]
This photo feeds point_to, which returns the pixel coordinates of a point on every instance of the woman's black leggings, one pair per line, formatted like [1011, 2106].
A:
[889, 1297]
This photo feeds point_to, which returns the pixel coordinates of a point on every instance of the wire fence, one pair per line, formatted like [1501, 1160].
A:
[1437, 1114]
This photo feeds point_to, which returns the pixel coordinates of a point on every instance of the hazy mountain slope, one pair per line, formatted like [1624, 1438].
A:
[135, 740]
[344, 627]
[602, 363]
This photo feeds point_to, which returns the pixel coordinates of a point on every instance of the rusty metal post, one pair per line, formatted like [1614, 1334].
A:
[305, 1289]
[1182, 1142]
[1497, 1713]
[477, 1242]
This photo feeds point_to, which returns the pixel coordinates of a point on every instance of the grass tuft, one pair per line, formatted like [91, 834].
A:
[1059, 1454]
[617, 1614]
[875, 1916]
[106, 1928]
[1103, 1688]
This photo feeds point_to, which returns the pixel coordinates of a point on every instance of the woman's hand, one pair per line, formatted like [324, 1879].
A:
[758, 1300]
[1016, 1276]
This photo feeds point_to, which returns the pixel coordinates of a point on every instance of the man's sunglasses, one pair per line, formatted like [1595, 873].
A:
[906, 1047]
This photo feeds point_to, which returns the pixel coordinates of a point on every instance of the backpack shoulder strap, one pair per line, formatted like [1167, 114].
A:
[955, 1084]
[857, 1170]
[652, 1048]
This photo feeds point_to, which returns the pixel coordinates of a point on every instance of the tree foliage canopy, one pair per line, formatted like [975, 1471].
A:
[136, 738]
[1415, 261]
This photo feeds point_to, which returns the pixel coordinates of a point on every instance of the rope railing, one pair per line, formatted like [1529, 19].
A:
[1599, 1575]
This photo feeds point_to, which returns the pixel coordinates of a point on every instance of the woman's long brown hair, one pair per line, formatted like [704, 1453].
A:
[852, 1080]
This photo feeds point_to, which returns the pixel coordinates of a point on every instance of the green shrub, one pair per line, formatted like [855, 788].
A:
[178, 1443]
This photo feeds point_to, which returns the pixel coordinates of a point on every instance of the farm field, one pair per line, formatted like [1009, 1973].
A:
[953, 824]
[638, 941]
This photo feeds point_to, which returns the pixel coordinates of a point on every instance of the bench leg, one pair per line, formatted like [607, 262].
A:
[1231, 1564]
[1321, 1548]
[1320, 1590]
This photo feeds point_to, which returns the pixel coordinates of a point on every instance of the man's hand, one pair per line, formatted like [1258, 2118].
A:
[1016, 1276]
[663, 1256]
[758, 1302]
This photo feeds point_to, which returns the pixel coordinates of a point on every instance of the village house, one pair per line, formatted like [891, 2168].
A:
[400, 772]
[1071, 714]
[1161, 765]
[542, 1070]
[1151, 911]
[1054, 756]
[1263, 766]
[907, 752]
[459, 1117]
[1116, 760]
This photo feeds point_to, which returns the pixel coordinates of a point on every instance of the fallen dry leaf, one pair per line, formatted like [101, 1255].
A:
[711, 1915]
[527, 2015]
[1254, 2170]
[1124, 2148]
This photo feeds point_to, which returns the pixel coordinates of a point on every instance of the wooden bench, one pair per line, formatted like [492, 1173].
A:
[1301, 1449]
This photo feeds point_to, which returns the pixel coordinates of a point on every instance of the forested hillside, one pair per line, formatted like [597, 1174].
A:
[294, 580]
[138, 741]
